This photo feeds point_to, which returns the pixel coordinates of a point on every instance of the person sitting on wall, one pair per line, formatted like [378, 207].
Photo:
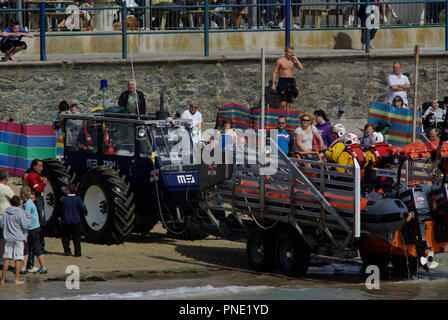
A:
[11, 41]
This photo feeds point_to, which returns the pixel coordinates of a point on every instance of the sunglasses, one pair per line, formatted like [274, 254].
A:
[397, 100]
[306, 120]
[281, 122]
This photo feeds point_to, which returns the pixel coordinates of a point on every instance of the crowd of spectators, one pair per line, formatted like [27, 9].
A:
[223, 14]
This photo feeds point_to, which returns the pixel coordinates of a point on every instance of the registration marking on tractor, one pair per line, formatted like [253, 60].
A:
[186, 178]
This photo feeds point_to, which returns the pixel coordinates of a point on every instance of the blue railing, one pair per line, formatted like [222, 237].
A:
[207, 13]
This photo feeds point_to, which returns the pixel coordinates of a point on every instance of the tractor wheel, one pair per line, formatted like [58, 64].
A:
[110, 205]
[260, 251]
[292, 255]
[58, 178]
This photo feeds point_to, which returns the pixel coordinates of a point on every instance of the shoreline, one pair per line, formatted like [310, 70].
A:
[143, 257]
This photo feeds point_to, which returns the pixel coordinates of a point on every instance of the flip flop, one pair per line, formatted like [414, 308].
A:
[40, 271]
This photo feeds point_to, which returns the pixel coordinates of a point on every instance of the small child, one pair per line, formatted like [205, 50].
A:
[72, 208]
[368, 129]
[74, 109]
[15, 224]
[33, 242]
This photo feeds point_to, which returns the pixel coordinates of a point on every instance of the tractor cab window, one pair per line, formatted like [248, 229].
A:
[87, 139]
[174, 148]
[72, 129]
[145, 147]
[118, 139]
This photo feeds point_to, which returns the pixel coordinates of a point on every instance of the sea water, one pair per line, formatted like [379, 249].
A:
[332, 281]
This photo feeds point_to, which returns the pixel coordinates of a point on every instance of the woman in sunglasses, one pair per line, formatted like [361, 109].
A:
[305, 133]
[398, 102]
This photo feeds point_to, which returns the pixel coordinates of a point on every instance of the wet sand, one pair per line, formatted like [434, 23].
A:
[143, 257]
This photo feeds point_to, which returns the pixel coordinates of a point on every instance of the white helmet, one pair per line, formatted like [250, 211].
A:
[350, 139]
[376, 137]
[338, 128]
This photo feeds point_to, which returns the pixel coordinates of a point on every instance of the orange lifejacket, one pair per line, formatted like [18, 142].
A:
[109, 147]
[88, 136]
[357, 153]
[381, 152]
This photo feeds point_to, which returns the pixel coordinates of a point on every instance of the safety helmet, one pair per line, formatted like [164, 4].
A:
[350, 139]
[376, 137]
[338, 128]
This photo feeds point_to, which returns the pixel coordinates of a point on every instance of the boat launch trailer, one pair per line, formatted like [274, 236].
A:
[289, 208]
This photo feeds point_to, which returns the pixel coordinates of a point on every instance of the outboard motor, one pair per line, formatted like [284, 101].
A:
[414, 231]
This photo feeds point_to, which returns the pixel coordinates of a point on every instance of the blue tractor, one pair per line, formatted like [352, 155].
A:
[131, 172]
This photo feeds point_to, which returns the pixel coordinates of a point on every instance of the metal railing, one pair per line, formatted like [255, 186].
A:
[226, 16]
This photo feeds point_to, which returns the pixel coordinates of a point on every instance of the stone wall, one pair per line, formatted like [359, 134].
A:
[31, 91]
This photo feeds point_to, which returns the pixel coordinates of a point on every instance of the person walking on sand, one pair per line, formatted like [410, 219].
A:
[15, 224]
[6, 194]
[33, 241]
[286, 86]
[72, 208]
[37, 183]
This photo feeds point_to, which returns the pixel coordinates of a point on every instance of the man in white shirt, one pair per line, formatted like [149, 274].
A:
[6, 194]
[193, 114]
[397, 83]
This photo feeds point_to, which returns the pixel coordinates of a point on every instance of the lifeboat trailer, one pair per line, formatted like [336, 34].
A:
[304, 207]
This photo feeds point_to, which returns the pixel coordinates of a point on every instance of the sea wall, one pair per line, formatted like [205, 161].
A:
[31, 91]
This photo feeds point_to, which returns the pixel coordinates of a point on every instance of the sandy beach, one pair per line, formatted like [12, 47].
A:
[144, 257]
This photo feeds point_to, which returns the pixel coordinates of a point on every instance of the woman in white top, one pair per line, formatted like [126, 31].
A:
[306, 132]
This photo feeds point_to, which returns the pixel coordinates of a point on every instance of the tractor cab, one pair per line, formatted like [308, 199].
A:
[131, 170]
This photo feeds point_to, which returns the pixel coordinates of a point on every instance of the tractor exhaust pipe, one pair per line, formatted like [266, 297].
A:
[162, 114]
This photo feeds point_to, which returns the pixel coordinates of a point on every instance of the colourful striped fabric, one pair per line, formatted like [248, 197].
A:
[20, 144]
[399, 121]
[241, 116]
[244, 118]
[271, 116]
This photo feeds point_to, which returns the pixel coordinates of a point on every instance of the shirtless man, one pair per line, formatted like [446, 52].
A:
[286, 83]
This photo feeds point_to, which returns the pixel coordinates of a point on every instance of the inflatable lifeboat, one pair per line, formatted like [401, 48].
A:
[378, 214]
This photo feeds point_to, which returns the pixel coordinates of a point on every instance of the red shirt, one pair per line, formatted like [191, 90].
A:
[34, 180]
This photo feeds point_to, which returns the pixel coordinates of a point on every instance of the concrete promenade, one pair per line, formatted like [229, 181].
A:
[227, 54]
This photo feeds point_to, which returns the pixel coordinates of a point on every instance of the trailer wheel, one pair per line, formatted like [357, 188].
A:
[260, 251]
[404, 266]
[292, 255]
[374, 258]
[58, 178]
[110, 205]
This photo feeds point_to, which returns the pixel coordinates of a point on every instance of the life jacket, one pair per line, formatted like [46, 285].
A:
[88, 136]
[381, 153]
[109, 147]
[357, 153]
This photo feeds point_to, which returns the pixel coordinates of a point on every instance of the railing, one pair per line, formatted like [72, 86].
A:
[189, 16]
